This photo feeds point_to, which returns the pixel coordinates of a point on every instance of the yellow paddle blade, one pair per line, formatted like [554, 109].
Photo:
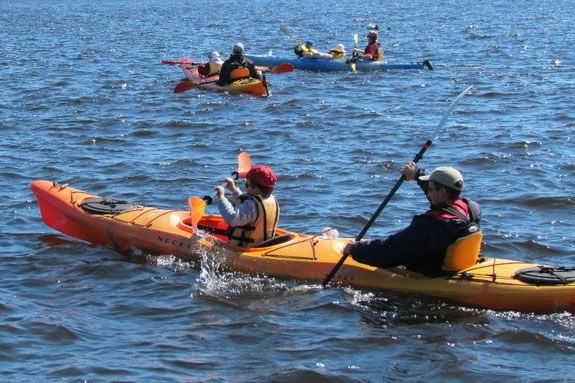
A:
[197, 209]
[354, 55]
[244, 163]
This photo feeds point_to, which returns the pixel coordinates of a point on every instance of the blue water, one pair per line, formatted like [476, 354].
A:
[84, 100]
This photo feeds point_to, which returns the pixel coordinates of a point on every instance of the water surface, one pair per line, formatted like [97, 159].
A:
[83, 100]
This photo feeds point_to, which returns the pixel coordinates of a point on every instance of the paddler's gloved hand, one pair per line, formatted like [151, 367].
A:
[409, 171]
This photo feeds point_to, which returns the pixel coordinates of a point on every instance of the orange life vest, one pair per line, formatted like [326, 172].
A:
[239, 73]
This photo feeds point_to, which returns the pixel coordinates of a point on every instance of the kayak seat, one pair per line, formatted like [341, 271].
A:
[276, 240]
[463, 253]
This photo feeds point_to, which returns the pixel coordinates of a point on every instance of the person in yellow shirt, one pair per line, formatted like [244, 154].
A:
[338, 53]
[308, 51]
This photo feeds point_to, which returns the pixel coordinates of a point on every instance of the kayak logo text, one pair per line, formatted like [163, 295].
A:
[175, 242]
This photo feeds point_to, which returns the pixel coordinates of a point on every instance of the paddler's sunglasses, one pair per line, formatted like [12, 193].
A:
[433, 187]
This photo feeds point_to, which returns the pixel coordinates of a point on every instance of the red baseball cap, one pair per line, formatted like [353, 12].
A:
[262, 175]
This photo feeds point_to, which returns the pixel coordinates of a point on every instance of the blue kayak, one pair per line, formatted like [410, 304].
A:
[328, 65]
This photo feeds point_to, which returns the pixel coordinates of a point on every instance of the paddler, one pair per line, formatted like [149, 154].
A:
[421, 247]
[213, 66]
[232, 68]
[373, 27]
[255, 215]
[308, 51]
[373, 50]
[338, 53]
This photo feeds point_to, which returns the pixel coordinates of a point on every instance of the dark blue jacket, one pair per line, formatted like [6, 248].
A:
[421, 246]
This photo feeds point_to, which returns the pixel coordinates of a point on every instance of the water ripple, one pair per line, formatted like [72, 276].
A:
[85, 101]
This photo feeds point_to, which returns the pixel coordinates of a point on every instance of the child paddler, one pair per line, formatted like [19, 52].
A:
[254, 215]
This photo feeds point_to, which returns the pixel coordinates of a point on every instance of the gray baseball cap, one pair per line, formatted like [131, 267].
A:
[446, 176]
[238, 48]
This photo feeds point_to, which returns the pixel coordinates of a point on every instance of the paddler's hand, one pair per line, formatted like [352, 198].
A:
[409, 171]
[231, 185]
[347, 248]
[220, 192]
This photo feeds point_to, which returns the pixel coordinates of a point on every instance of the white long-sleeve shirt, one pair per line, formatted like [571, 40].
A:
[244, 213]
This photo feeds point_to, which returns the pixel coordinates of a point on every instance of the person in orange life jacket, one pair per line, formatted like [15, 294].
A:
[212, 67]
[255, 215]
[421, 246]
[235, 61]
[373, 51]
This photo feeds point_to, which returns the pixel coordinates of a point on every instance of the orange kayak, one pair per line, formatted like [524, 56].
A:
[252, 86]
[494, 283]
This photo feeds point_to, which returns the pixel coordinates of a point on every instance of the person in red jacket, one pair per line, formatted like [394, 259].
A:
[373, 51]
[422, 245]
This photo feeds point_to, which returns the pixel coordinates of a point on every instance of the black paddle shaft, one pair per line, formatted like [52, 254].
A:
[208, 200]
[383, 204]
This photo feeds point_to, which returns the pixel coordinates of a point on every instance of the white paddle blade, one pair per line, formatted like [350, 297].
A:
[446, 115]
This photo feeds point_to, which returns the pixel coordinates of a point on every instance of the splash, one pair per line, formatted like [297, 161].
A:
[217, 281]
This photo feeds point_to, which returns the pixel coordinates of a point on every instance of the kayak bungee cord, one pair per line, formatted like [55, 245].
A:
[311, 240]
[417, 157]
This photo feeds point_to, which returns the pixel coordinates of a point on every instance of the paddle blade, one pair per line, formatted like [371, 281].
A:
[184, 85]
[197, 209]
[283, 68]
[244, 164]
[184, 61]
[355, 54]
[285, 30]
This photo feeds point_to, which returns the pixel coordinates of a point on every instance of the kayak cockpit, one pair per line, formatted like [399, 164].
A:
[215, 226]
